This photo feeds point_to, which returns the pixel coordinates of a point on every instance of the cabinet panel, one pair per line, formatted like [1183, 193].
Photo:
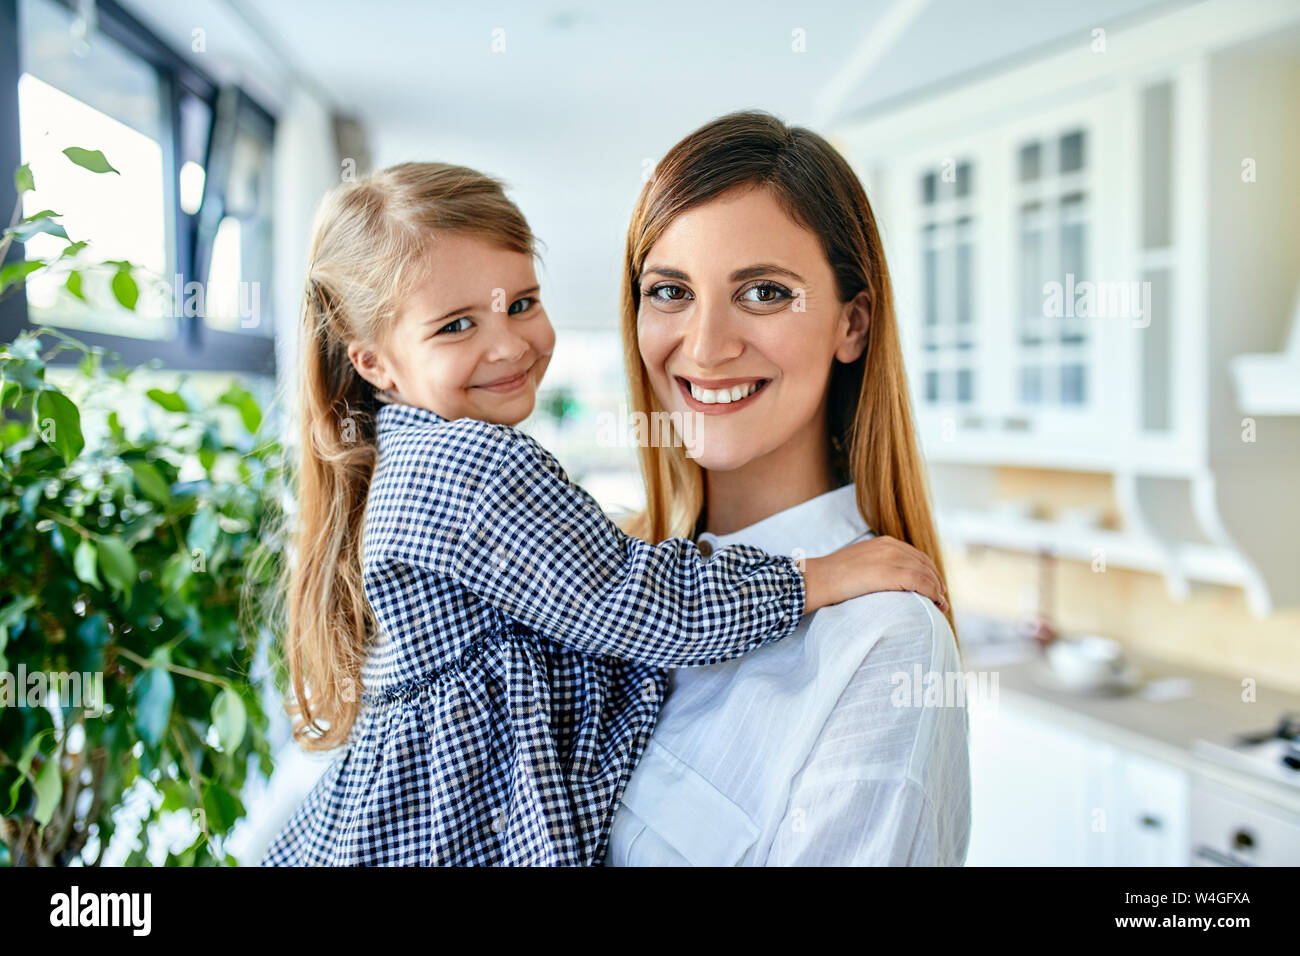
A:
[1029, 796]
[1044, 796]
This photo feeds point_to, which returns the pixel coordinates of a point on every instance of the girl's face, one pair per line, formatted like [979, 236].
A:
[738, 324]
[472, 341]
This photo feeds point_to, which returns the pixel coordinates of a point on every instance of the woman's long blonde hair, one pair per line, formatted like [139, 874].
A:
[369, 249]
[869, 416]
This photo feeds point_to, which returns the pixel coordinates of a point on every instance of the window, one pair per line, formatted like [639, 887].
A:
[948, 292]
[191, 208]
[1052, 237]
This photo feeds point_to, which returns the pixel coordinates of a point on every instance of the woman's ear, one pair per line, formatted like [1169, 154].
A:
[855, 321]
[370, 365]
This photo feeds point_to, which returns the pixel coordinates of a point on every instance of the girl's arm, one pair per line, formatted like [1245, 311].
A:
[501, 517]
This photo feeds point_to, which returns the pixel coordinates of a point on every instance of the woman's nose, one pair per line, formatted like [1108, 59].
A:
[711, 339]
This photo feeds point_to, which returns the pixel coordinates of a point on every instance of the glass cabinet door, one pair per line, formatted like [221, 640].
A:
[948, 333]
[1053, 229]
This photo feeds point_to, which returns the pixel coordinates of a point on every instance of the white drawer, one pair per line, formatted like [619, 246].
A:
[1230, 828]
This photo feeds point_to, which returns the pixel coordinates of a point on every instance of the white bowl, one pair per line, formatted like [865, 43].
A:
[1087, 662]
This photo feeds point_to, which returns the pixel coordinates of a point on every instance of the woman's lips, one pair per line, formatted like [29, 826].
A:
[719, 408]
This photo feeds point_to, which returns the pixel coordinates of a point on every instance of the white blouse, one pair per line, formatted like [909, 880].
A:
[822, 749]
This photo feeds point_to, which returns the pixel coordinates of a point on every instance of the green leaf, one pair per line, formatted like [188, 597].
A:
[151, 482]
[23, 181]
[154, 693]
[14, 611]
[118, 565]
[230, 718]
[49, 789]
[59, 423]
[91, 159]
[12, 617]
[176, 795]
[203, 531]
[73, 285]
[83, 562]
[24, 764]
[125, 290]
[168, 400]
[72, 248]
[222, 807]
[27, 374]
[17, 272]
[240, 398]
[39, 224]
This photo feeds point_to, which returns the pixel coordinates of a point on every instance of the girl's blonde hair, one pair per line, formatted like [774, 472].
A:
[869, 416]
[370, 243]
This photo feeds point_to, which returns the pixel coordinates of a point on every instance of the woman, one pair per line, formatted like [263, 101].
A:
[757, 305]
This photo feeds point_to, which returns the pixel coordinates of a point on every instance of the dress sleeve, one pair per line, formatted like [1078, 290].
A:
[512, 529]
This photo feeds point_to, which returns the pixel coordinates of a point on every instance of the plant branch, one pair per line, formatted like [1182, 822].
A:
[174, 668]
[195, 783]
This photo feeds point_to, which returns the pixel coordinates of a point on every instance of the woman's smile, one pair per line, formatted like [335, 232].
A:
[719, 396]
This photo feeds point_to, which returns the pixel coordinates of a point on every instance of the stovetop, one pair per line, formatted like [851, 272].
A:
[1274, 754]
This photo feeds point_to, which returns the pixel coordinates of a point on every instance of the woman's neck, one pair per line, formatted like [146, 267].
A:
[790, 475]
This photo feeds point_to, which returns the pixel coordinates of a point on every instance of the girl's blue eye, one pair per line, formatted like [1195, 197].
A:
[455, 325]
[521, 305]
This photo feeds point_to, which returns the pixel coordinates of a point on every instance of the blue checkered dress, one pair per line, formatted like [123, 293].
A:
[517, 671]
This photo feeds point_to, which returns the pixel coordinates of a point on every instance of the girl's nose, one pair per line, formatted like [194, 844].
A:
[506, 346]
[710, 336]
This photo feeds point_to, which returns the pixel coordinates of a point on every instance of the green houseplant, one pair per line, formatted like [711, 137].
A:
[134, 523]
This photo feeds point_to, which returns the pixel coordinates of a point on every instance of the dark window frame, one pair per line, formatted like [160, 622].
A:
[196, 346]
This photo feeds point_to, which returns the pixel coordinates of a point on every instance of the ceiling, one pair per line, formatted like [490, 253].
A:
[585, 94]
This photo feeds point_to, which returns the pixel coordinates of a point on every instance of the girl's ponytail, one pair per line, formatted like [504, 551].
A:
[328, 616]
[368, 251]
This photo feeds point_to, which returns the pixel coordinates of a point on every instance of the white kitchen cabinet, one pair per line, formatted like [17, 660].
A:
[1153, 822]
[1151, 167]
[1043, 795]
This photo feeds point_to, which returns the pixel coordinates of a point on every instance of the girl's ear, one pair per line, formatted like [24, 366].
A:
[855, 320]
[370, 365]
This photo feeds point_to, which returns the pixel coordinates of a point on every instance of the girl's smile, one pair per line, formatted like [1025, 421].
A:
[509, 384]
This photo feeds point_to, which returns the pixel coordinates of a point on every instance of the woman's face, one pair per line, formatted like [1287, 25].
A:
[738, 324]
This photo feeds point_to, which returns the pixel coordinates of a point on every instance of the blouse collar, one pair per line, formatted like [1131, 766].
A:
[817, 526]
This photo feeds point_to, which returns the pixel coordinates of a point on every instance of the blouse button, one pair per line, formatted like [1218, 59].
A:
[706, 549]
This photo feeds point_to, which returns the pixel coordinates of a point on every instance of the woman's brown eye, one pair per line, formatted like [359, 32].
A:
[766, 293]
[667, 293]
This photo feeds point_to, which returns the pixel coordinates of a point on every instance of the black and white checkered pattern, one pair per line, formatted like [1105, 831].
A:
[517, 672]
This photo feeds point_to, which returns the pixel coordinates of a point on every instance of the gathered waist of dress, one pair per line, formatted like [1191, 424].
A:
[399, 692]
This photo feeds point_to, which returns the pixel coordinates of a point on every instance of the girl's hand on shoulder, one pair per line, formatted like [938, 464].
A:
[882, 563]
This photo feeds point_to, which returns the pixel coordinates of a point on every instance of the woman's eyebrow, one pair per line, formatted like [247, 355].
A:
[753, 272]
[740, 275]
[465, 310]
[665, 272]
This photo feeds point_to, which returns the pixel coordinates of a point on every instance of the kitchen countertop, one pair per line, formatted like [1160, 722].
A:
[1164, 729]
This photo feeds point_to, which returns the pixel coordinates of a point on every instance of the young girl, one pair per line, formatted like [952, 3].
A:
[485, 641]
